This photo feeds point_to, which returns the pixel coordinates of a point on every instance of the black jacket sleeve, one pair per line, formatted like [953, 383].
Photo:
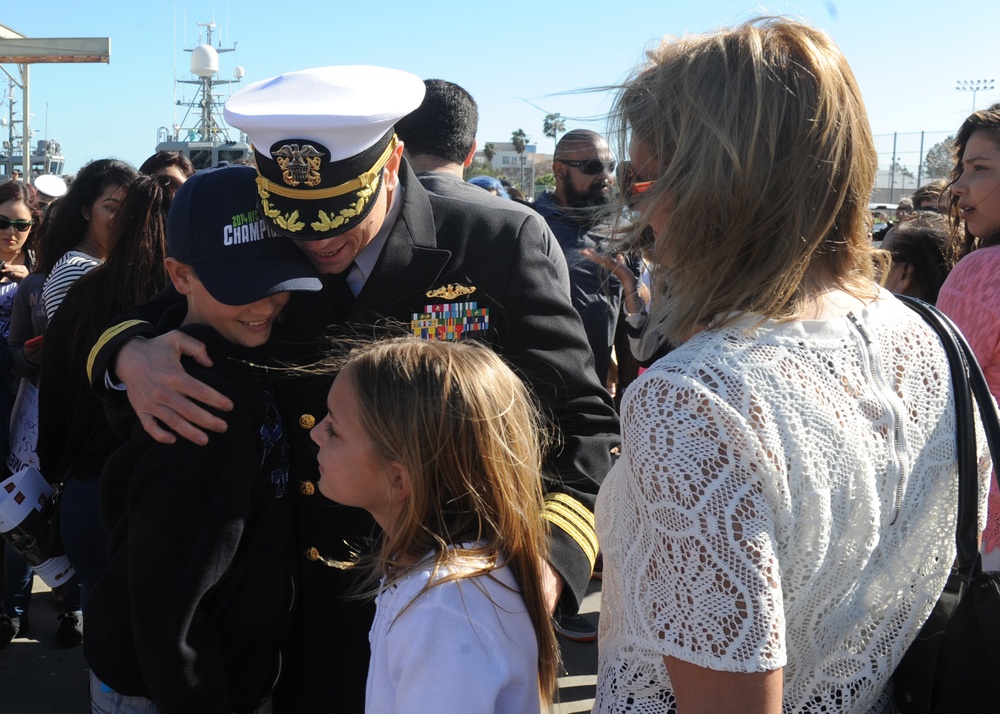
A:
[546, 344]
[21, 328]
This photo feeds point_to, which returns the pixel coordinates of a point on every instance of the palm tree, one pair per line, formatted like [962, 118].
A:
[489, 151]
[520, 140]
[551, 127]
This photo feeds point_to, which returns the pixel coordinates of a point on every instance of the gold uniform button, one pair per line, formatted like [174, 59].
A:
[307, 488]
[312, 554]
[307, 421]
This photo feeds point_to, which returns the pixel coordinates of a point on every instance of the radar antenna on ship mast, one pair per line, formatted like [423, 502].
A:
[206, 140]
[205, 65]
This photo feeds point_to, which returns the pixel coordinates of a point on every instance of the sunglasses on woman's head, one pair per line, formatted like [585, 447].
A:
[20, 226]
[591, 167]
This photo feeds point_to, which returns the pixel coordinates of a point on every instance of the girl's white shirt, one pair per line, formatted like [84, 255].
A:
[466, 646]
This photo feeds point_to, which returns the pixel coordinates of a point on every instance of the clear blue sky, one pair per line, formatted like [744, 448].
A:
[519, 59]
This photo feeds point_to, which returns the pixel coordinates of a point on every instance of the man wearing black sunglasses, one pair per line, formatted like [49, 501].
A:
[584, 171]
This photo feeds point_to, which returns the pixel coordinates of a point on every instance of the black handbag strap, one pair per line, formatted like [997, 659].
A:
[969, 385]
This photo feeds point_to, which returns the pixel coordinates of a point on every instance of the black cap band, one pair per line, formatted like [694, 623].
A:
[308, 198]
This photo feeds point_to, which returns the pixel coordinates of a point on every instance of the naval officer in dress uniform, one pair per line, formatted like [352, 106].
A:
[394, 257]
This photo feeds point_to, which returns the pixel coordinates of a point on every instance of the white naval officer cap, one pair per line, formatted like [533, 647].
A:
[50, 185]
[321, 138]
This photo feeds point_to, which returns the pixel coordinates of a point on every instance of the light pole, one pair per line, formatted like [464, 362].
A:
[974, 85]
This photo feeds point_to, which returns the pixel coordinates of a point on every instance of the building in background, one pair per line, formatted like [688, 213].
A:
[509, 164]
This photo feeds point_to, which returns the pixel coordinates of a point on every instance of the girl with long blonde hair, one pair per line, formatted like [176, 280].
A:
[442, 444]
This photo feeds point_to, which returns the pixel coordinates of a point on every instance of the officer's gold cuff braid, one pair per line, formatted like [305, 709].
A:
[108, 335]
[571, 516]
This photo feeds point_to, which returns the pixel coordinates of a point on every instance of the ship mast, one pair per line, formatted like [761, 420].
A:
[206, 140]
[12, 139]
[205, 65]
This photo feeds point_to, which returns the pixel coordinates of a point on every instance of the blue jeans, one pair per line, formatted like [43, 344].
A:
[17, 586]
[83, 535]
[105, 700]
[17, 583]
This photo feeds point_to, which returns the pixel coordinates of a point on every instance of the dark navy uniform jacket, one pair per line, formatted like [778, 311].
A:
[438, 251]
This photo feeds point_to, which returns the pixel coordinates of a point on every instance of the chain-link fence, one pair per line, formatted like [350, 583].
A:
[907, 161]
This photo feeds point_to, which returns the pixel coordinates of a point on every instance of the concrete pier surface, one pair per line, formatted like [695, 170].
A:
[36, 677]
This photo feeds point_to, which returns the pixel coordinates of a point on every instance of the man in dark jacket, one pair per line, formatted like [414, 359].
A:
[583, 168]
[439, 140]
[396, 258]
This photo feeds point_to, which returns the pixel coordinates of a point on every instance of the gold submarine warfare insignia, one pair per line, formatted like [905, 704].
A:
[299, 166]
[451, 291]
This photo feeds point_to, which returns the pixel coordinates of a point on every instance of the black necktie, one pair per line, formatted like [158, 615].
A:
[339, 293]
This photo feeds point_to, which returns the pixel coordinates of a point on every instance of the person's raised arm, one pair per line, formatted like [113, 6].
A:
[633, 291]
[546, 345]
[24, 360]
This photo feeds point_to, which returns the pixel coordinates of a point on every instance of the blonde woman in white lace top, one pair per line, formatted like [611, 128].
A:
[782, 518]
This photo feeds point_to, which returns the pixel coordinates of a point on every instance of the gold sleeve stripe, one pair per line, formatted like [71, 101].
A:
[575, 519]
[571, 503]
[586, 541]
[108, 335]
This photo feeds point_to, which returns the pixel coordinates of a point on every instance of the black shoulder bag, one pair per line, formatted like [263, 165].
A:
[954, 663]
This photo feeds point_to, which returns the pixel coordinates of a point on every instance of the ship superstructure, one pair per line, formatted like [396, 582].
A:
[46, 156]
[202, 135]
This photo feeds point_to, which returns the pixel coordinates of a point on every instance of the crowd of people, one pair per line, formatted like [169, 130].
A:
[341, 431]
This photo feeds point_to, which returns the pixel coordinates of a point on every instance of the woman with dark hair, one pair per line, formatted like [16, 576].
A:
[19, 219]
[74, 440]
[971, 294]
[930, 196]
[81, 228]
[923, 252]
[170, 163]
[781, 520]
[19, 213]
[28, 317]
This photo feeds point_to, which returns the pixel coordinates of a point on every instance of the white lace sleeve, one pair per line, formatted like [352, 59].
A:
[705, 555]
[785, 498]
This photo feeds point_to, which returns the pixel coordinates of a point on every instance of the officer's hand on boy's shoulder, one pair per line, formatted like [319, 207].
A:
[163, 394]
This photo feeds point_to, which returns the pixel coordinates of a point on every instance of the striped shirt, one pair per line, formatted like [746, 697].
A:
[67, 270]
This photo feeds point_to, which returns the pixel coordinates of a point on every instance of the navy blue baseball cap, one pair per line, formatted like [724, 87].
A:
[215, 226]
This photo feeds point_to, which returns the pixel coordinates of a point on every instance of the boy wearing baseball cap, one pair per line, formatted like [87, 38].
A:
[193, 611]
